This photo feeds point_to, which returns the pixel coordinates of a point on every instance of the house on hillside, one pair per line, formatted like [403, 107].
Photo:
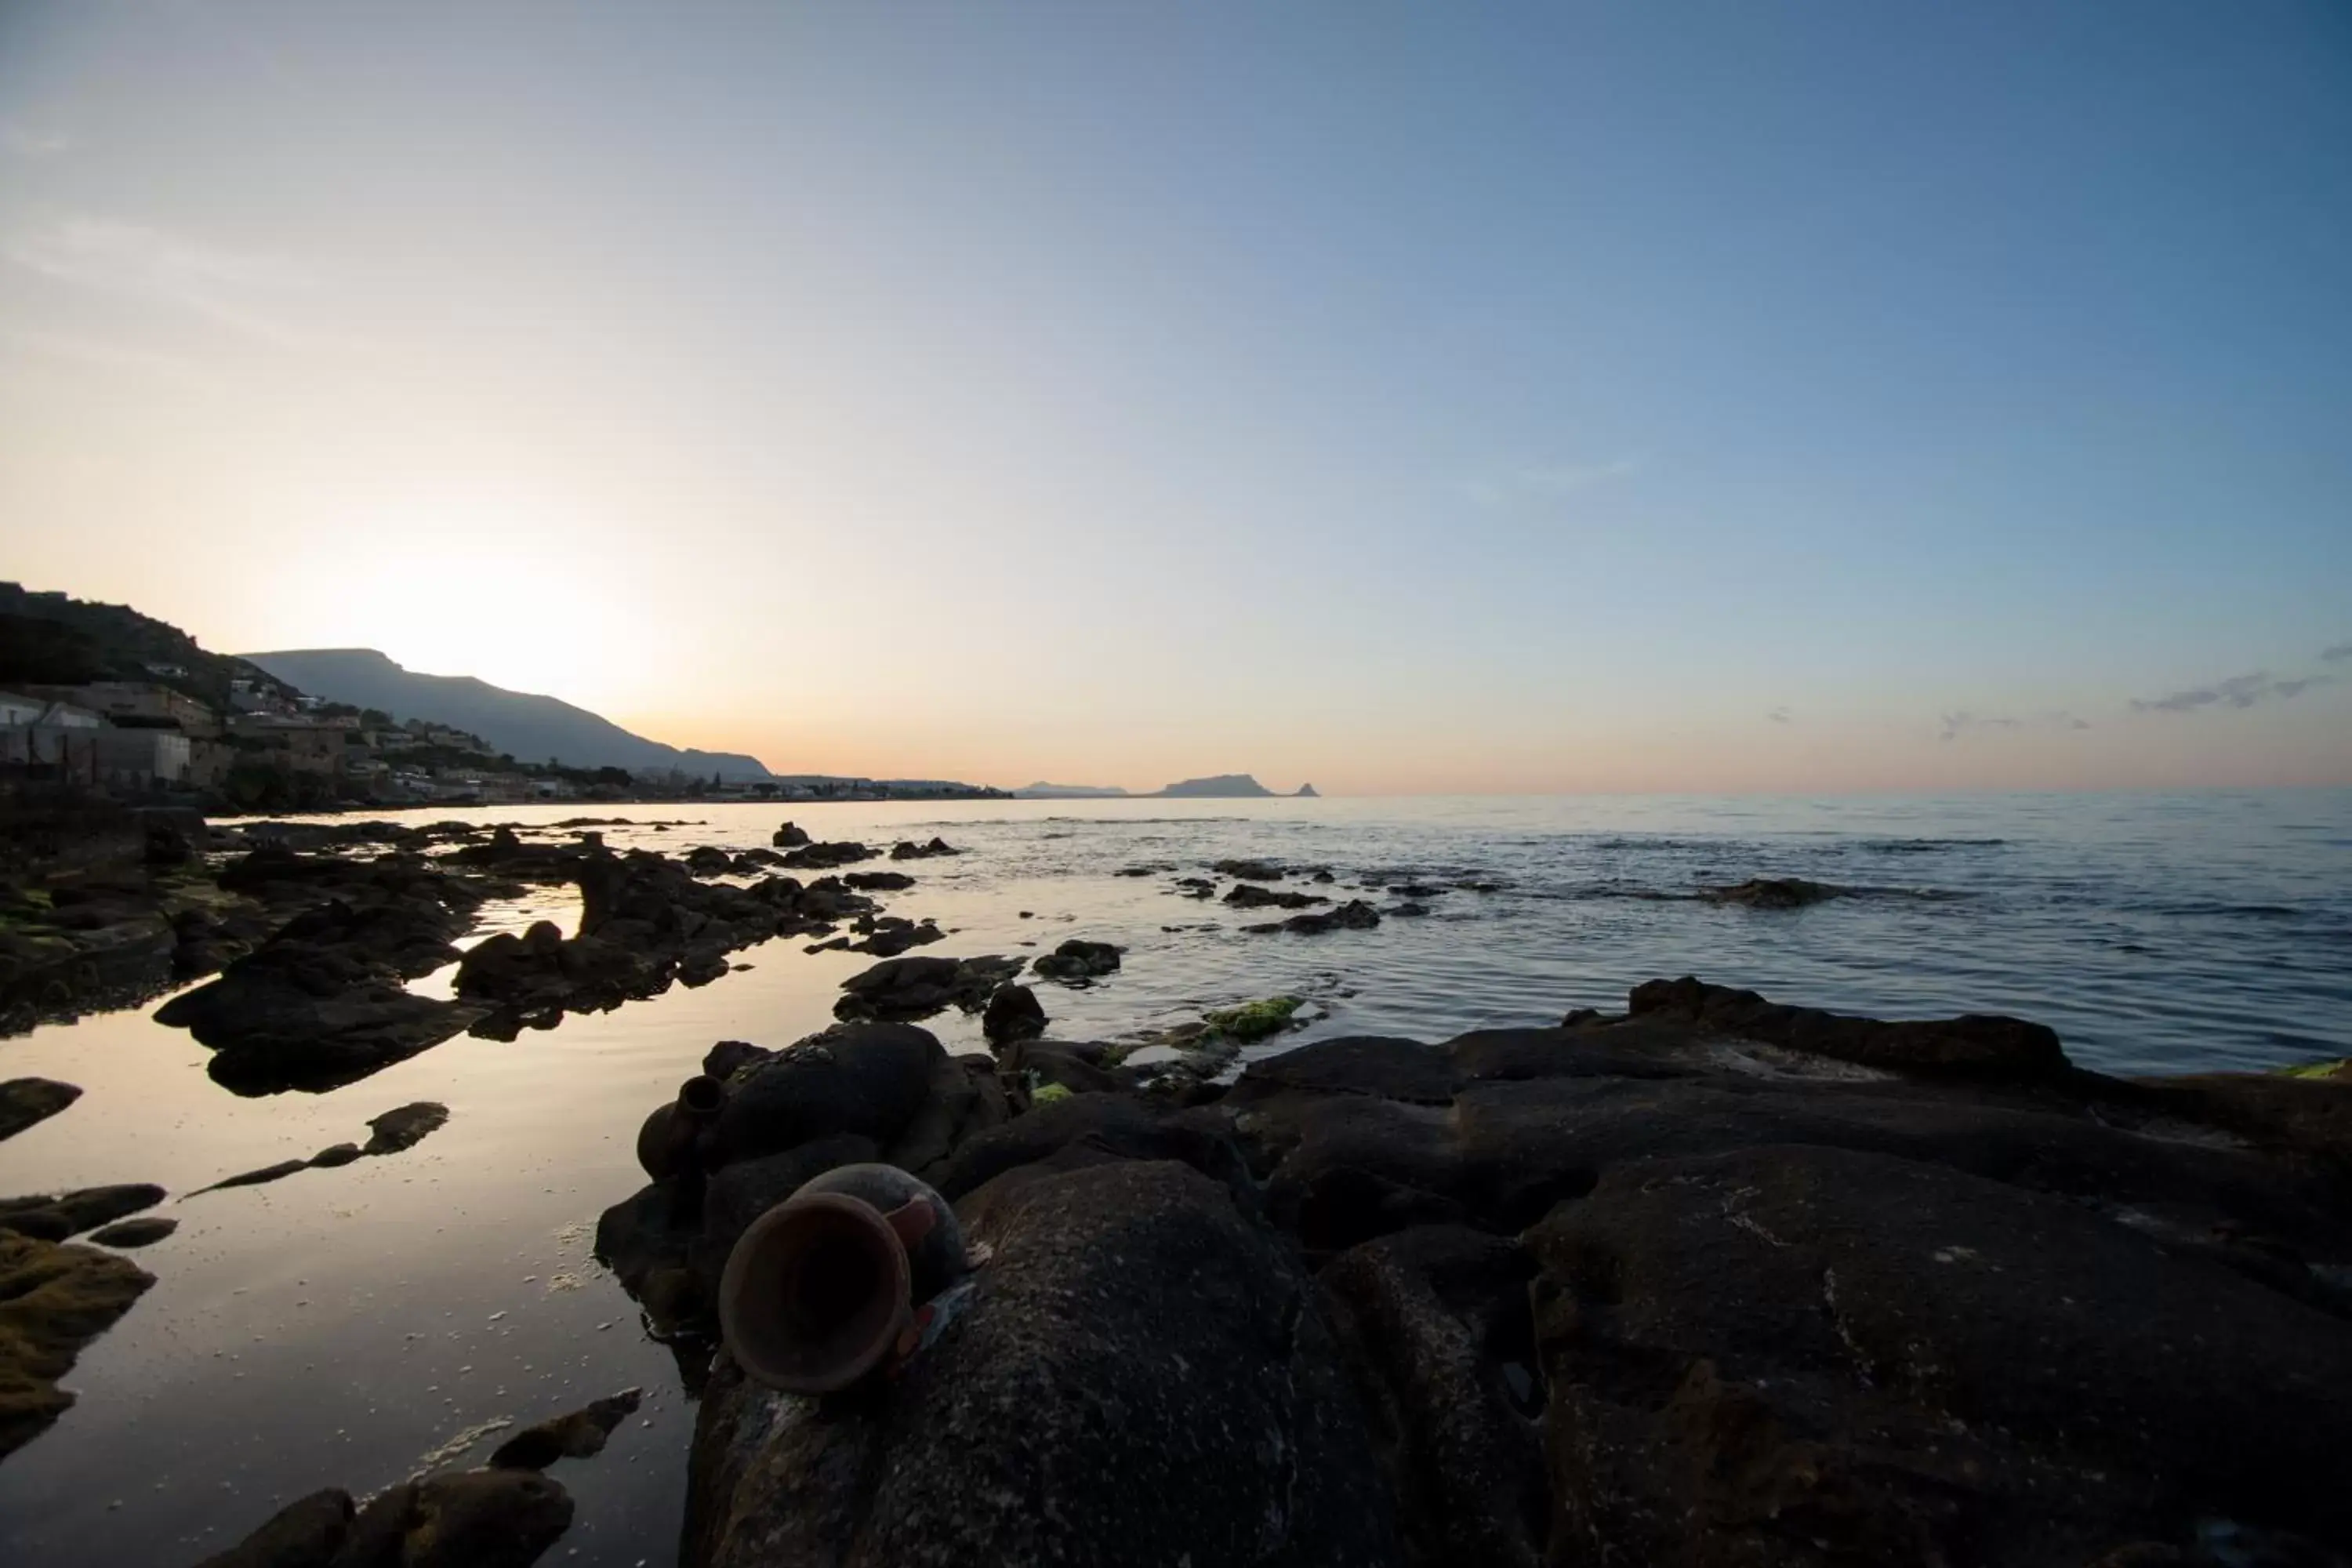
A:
[301, 743]
[49, 740]
[138, 702]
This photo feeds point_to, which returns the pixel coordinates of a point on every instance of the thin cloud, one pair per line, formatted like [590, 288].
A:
[1549, 481]
[2237, 691]
[1782, 716]
[110, 356]
[241, 290]
[24, 142]
[1964, 723]
[2337, 654]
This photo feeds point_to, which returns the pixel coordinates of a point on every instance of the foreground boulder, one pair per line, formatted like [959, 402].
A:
[25, 1101]
[1140, 1375]
[54, 1299]
[498, 1518]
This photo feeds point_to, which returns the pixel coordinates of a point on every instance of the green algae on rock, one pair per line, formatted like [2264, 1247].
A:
[55, 1298]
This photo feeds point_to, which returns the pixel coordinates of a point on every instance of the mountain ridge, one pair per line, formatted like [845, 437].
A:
[530, 726]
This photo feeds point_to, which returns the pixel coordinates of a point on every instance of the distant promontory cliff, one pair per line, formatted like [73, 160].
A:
[1217, 786]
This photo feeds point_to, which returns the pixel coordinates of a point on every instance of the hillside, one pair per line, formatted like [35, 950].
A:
[1044, 791]
[1221, 786]
[48, 639]
[521, 724]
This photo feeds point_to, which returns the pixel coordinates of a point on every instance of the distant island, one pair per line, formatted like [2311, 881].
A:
[1218, 787]
[1044, 791]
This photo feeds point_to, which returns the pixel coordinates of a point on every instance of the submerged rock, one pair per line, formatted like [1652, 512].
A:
[144, 1231]
[908, 850]
[1078, 961]
[55, 1298]
[53, 1218]
[1353, 915]
[1773, 893]
[471, 1519]
[27, 1101]
[819, 855]
[405, 1127]
[1252, 870]
[905, 989]
[1248, 896]
[581, 1435]
[305, 1533]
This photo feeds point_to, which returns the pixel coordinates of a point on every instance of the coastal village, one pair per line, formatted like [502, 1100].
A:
[220, 733]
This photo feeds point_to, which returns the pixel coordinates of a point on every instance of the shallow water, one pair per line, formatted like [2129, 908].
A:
[333, 1328]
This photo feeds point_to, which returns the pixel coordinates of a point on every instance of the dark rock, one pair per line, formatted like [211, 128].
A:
[890, 936]
[1894, 1360]
[471, 1519]
[1014, 1013]
[405, 1127]
[1772, 893]
[305, 1533]
[1197, 887]
[709, 860]
[963, 1100]
[144, 1231]
[1251, 870]
[1213, 1426]
[70, 1214]
[790, 836]
[1247, 896]
[819, 855]
[722, 1060]
[905, 850]
[1434, 1322]
[1976, 1045]
[908, 988]
[1353, 915]
[1141, 870]
[878, 881]
[335, 1156]
[27, 1101]
[173, 837]
[1078, 961]
[1119, 1126]
[1079, 1067]
[54, 1299]
[1416, 891]
[581, 1435]
[266, 1175]
[869, 1079]
[1408, 910]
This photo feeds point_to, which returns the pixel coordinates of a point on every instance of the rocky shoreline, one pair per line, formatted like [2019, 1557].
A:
[1714, 1279]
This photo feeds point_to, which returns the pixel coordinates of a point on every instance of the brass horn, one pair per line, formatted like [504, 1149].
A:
[824, 1287]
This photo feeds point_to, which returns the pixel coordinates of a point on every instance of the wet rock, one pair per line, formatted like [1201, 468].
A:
[54, 1299]
[722, 1060]
[962, 1100]
[266, 1175]
[1416, 891]
[1408, 910]
[1215, 1425]
[53, 1218]
[471, 1519]
[1141, 870]
[1251, 870]
[1014, 1013]
[144, 1231]
[1196, 886]
[1248, 896]
[321, 1003]
[581, 1435]
[908, 988]
[1353, 915]
[869, 1079]
[1433, 1320]
[1895, 1360]
[1082, 1068]
[1108, 1126]
[1974, 1045]
[790, 836]
[406, 1126]
[889, 936]
[305, 1533]
[906, 850]
[1078, 961]
[819, 855]
[27, 1101]
[334, 1156]
[709, 860]
[878, 881]
[1773, 893]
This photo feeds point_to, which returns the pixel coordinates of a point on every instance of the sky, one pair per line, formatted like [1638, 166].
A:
[1740, 396]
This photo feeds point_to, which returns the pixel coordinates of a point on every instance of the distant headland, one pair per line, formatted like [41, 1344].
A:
[1217, 786]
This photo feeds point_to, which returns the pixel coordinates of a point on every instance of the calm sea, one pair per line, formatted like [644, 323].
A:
[335, 1328]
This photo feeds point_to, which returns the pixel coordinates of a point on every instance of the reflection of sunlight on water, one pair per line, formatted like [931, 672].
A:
[327, 1329]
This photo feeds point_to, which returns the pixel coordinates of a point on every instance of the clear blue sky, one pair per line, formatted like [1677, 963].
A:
[1739, 395]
